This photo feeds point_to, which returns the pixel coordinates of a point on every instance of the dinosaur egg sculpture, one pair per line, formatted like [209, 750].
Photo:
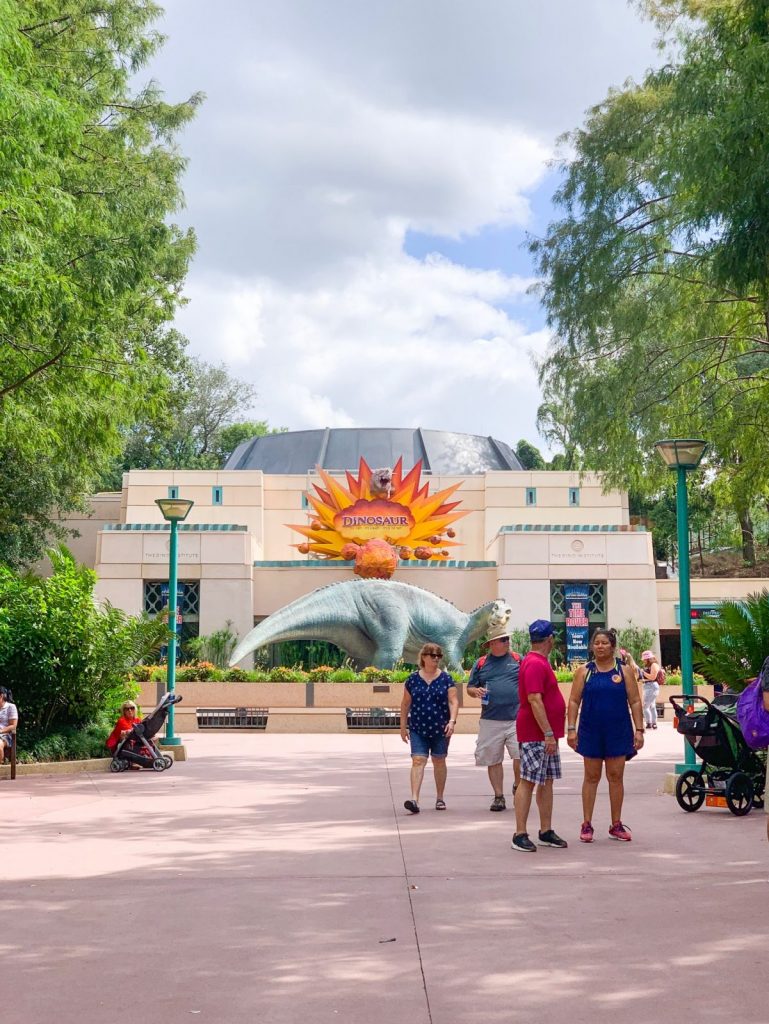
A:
[376, 559]
[423, 553]
[451, 532]
[445, 553]
[349, 552]
[316, 524]
[303, 549]
[435, 540]
[405, 553]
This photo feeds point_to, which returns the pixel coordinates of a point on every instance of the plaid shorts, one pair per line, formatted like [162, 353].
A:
[537, 766]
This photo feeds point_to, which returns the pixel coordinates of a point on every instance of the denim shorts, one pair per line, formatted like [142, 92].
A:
[421, 747]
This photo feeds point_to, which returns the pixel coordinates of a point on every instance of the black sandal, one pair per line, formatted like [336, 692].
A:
[411, 805]
[440, 805]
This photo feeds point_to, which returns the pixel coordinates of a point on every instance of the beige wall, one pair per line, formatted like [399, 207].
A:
[710, 590]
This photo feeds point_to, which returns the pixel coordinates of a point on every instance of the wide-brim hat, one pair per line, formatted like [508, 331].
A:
[647, 654]
[498, 633]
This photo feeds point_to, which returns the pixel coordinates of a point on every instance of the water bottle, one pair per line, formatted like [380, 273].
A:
[485, 697]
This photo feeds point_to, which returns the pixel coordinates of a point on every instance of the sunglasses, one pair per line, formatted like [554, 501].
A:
[431, 654]
[501, 640]
[126, 710]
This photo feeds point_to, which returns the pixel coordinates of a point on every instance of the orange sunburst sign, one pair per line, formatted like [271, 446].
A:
[380, 506]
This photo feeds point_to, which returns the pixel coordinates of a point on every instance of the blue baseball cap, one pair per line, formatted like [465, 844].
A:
[540, 629]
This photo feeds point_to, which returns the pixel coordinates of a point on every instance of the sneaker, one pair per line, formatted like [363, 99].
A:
[523, 844]
[620, 831]
[586, 832]
[551, 838]
[498, 804]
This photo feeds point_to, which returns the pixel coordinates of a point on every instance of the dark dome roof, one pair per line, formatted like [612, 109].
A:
[441, 451]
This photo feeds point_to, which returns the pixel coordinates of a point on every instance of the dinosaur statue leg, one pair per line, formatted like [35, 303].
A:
[389, 631]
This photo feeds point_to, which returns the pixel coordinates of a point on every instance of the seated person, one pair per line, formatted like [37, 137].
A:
[9, 718]
[128, 719]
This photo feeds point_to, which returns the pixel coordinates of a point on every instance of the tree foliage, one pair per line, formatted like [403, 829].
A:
[731, 647]
[656, 274]
[196, 426]
[64, 657]
[91, 264]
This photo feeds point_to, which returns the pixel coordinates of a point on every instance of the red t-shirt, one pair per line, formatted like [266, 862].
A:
[536, 676]
[122, 724]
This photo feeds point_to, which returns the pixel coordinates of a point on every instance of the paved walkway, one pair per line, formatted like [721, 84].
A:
[276, 879]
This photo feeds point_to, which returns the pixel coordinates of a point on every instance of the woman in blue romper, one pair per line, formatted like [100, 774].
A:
[607, 691]
[428, 715]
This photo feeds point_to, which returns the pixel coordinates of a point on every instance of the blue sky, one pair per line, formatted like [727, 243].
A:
[361, 180]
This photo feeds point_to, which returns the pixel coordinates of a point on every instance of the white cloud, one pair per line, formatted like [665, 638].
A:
[330, 131]
[421, 343]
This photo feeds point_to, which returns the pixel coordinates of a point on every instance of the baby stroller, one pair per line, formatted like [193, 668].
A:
[137, 747]
[731, 773]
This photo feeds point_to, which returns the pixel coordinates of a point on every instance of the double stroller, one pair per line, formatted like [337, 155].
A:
[137, 748]
[731, 773]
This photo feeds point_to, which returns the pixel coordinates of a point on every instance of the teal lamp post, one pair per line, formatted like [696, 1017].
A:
[682, 455]
[175, 511]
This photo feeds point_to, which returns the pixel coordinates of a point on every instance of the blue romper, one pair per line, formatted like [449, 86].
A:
[605, 725]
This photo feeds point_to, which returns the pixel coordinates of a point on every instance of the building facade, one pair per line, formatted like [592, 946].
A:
[526, 535]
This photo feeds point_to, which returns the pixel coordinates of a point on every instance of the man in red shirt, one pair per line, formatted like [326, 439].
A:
[540, 724]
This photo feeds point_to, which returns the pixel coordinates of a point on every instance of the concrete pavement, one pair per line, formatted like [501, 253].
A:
[276, 879]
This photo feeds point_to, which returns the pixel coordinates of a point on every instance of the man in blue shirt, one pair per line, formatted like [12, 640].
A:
[494, 680]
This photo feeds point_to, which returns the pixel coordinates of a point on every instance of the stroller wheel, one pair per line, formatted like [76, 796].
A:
[168, 760]
[115, 765]
[739, 794]
[758, 802]
[690, 791]
[159, 764]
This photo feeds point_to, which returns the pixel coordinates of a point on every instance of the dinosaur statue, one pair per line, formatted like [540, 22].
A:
[375, 622]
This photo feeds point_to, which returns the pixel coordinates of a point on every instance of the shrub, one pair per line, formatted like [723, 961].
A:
[400, 675]
[320, 674]
[282, 674]
[564, 675]
[71, 744]
[216, 648]
[343, 675]
[375, 675]
[65, 658]
[235, 675]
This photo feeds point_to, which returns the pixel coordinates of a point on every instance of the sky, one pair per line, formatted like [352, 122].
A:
[362, 178]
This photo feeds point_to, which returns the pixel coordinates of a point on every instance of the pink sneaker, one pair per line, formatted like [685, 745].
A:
[586, 832]
[620, 831]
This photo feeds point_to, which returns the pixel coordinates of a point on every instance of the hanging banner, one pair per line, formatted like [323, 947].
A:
[576, 597]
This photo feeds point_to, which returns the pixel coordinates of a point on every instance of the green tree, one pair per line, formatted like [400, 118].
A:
[64, 657]
[656, 274]
[529, 456]
[731, 647]
[195, 427]
[91, 263]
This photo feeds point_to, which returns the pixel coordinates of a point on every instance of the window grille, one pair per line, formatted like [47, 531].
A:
[531, 495]
[232, 718]
[217, 495]
[373, 718]
[173, 492]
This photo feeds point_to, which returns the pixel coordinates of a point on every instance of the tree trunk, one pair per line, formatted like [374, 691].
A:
[748, 540]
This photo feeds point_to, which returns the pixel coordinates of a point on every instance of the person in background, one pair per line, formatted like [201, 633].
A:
[494, 679]
[9, 719]
[129, 716]
[540, 726]
[607, 693]
[429, 712]
[650, 670]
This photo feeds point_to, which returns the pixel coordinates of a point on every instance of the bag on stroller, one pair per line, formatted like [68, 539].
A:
[137, 748]
[752, 715]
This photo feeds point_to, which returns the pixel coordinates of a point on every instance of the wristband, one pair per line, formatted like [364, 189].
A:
[549, 734]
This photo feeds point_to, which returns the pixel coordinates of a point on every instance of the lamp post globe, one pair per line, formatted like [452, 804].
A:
[681, 456]
[174, 511]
